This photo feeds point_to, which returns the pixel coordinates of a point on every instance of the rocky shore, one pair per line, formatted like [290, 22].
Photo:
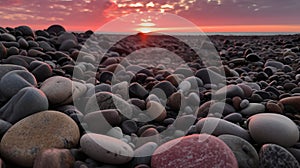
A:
[85, 100]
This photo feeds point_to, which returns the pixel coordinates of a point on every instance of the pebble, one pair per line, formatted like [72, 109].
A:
[5, 68]
[244, 152]
[209, 76]
[129, 127]
[156, 111]
[58, 158]
[253, 108]
[40, 70]
[3, 51]
[102, 121]
[25, 30]
[27, 101]
[107, 100]
[275, 156]
[4, 126]
[244, 103]
[273, 128]
[55, 29]
[60, 90]
[115, 132]
[273, 108]
[166, 87]
[12, 82]
[253, 57]
[234, 117]
[291, 102]
[197, 150]
[35, 133]
[216, 127]
[106, 149]
[142, 155]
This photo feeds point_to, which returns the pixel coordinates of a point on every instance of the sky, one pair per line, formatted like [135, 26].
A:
[150, 15]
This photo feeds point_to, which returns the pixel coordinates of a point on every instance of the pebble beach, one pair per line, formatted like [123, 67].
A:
[80, 100]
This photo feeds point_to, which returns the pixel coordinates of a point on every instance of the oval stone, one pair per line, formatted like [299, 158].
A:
[106, 149]
[217, 126]
[197, 150]
[273, 128]
[44, 130]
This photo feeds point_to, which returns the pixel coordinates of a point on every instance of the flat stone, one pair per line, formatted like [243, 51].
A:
[107, 100]
[35, 133]
[216, 127]
[106, 149]
[27, 101]
[244, 152]
[12, 82]
[5, 68]
[273, 128]
[58, 158]
[291, 102]
[275, 156]
[197, 150]
[101, 121]
[230, 91]
[253, 108]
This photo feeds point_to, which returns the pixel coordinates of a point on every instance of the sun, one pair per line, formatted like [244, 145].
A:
[145, 30]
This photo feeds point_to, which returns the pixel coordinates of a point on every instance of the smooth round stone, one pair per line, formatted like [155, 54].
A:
[253, 108]
[12, 82]
[7, 37]
[275, 64]
[40, 70]
[102, 121]
[273, 108]
[244, 103]
[253, 57]
[166, 87]
[27, 101]
[13, 51]
[67, 45]
[295, 152]
[174, 101]
[23, 43]
[273, 128]
[107, 100]
[142, 155]
[291, 101]
[55, 29]
[184, 122]
[230, 91]
[197, 150]
[149, 135]
[209, 76]
[59, 158]
[60, 90]
[246, 89]
[275, 156]
[106, 149]
[138, 91]
[115, 132]
[222, 108]
[216, 126]
[129, 127]
[156, 111]
[244, 152]
[35, 133]
[234, 117]
[236, 101]
[26, 30]
[6, 68]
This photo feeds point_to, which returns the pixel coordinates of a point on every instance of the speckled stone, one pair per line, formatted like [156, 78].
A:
[275, 156]
[244, 152]
[273, 128]
[217, 126]
[106, 149]
[197, 150]
[44, 130]
[54, 158]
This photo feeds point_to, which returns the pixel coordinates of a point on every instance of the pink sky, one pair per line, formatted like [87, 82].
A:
[209, 15]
